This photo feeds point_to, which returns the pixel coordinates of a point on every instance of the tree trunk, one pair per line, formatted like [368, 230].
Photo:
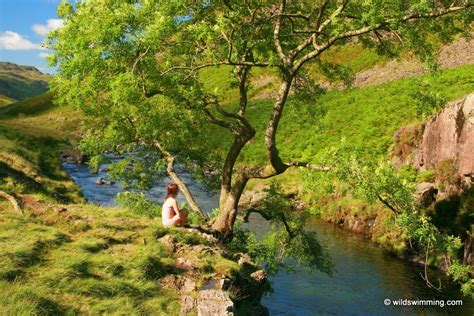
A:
[272, 127]
[182, 186]
[224, 223]
[230, 196]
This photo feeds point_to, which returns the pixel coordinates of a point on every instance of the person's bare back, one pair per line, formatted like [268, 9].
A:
[171, 215]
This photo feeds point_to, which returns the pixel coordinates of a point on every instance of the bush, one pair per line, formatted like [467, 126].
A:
[426, 176]
[139, 204]
[446, 172]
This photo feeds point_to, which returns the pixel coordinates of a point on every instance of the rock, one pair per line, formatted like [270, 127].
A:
[187, 304]
[71, 160]
[102, 181]
[449, 135]
[73, 156]
[425, 194]
[169, 282]
[359, 227]
[258, 310]
[182, 284]
[169, 241]
[187, 285]
[259, 276]
[60, 209]
[185, 264]
[245, 260]
[206, 249]
[214, 302]
[223, 284]
[406, 141]
[250, 198]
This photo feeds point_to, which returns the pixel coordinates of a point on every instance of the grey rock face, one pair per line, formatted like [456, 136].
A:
[214, 302]
[450, 135]
[447, 136]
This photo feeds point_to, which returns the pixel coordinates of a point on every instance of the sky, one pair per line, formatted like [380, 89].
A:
[23, 26]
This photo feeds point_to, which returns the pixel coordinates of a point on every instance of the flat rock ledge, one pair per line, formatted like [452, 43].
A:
[208, 303]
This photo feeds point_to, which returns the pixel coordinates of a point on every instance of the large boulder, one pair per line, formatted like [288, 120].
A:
[447, 136]
[214, 302]
[426, 194]
[450, 135]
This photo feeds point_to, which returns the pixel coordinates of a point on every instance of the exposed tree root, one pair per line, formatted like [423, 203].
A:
[13, 200]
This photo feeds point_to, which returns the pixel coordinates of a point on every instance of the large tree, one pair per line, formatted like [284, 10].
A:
[133, 68]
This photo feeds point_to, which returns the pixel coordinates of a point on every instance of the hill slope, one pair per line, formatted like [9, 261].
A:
[21, 82]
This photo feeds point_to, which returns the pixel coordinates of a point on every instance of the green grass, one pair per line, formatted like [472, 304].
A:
[31, 165]
[92, 260]
[32, 106]
[365, 117]
[47, 269]
[221, 81]
[32, 133]
[21, 88]
[4, 100]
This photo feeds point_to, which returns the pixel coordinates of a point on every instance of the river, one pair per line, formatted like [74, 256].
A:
[365, 276]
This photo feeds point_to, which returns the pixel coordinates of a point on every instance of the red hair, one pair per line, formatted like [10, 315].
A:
[172, 190]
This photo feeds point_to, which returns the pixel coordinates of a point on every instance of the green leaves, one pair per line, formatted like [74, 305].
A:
[139, 204]
[427, 101]
[380, 182]
[289, 244]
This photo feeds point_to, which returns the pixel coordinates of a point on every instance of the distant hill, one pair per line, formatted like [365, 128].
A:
[4, 100]
[20, 82]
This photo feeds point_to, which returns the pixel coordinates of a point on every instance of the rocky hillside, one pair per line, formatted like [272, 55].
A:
[447, 138]
[20, 82]
[458, 53]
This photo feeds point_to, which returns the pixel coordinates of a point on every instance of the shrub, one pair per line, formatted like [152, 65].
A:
[139, 204]
[426, 176]
[446, 172]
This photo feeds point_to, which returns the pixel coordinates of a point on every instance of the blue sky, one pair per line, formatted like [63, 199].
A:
[23, 24]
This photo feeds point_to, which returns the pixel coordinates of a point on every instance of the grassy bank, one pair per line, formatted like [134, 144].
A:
[68, 257]
[84, 259]
[32, 133]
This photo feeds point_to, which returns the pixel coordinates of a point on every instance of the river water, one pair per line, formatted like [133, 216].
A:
[365, 276]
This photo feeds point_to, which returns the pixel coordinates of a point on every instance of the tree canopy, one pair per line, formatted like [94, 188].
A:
[133, 67]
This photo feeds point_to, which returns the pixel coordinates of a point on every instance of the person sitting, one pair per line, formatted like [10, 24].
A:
[171, 215]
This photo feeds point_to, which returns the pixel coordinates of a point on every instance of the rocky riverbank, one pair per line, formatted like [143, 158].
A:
[441, 149]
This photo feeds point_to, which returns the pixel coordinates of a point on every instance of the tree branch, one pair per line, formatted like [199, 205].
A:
[276, 32]
[215, 120]
[367, 29]
[268, 217]
[174, 176]
[220, 63]
[338, 11]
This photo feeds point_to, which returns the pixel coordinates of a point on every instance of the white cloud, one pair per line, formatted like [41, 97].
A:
[44, 55]
[51, 24]
[13, 41]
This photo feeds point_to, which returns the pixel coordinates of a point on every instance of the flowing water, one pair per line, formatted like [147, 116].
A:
[364, 277]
